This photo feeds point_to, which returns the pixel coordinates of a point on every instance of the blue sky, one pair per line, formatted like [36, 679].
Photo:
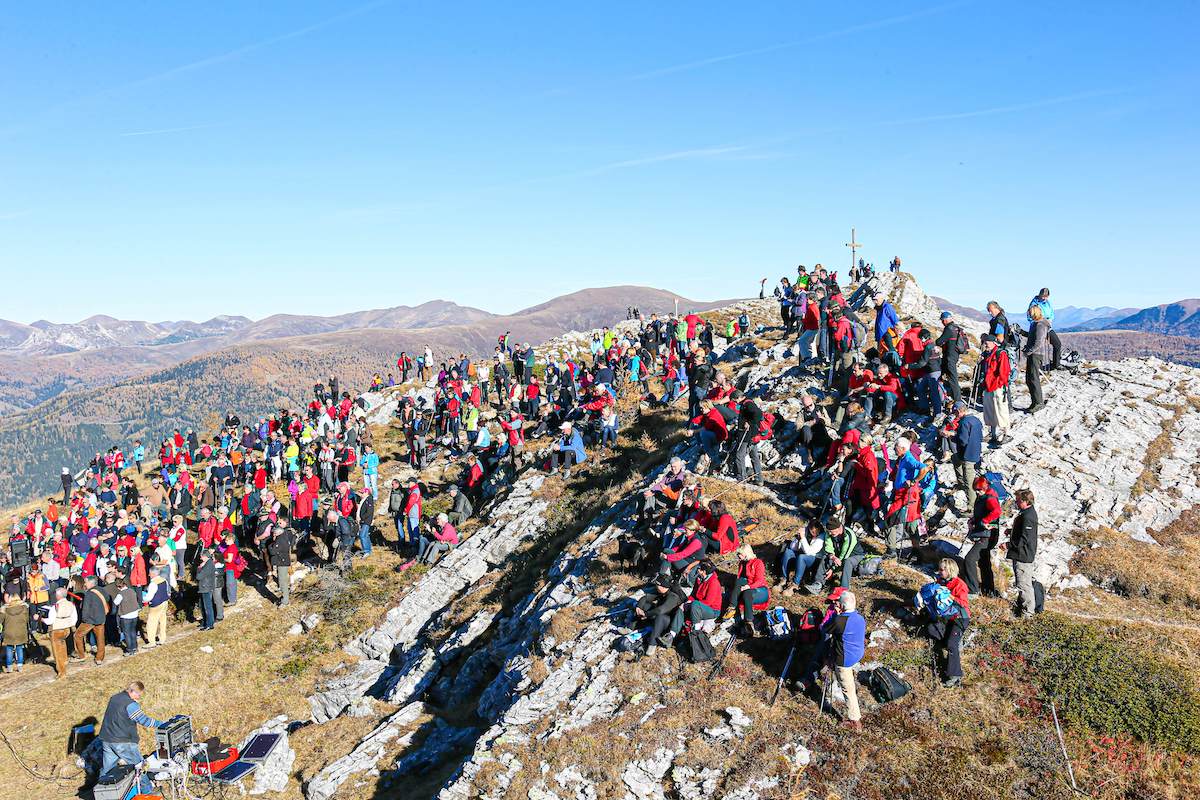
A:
[168, 160]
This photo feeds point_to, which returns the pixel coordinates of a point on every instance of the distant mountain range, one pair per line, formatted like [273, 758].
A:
[1170, 319]
[62, 408]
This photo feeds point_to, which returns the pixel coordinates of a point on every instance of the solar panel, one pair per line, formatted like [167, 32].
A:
[235, 772]
[259, 747]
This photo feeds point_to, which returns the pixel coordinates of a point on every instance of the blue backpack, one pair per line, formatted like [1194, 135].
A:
[779, 624]
[941, 604]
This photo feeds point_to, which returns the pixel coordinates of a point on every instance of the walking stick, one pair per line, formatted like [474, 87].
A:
[824, 691]
[783, 675]
[721, 661]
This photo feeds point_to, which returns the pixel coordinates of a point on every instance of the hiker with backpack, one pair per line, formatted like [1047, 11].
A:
[954, 343]
[947, 605]
[747, 435]
[810, 327]
[1039, 332]
[887, 331]
[1041, 301]
[995, 372]
[814, 426]
[964, 432]
[1022, 551]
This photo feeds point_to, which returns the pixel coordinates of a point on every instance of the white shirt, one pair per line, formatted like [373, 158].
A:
[62, 615]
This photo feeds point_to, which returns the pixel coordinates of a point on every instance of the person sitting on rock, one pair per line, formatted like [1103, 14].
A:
[684, 552]
[662, 600]
[439, 539]
[750, 589]
[720, 532]
[842, 551]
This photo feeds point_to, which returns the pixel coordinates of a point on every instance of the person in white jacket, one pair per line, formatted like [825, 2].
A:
[799, 555]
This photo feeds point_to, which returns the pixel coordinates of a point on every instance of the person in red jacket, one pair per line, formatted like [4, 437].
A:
[707, 595]
[810, 327]
[947, 632]
[723, 538]
[514, 428]
[864, 489]
[412, 514]
[903, 515]
[982, 536]
[996, 369]
[883, 388]
[750, 589]
[206, 528]
[473, 482]
[712, 431]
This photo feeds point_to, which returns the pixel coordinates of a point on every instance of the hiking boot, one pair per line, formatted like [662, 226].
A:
[789, 590]
[852, 725]
[891, 555]
[952, 683]
[651, 649]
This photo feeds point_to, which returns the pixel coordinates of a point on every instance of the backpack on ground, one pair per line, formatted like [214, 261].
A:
[697, 647]
[869, 567]
[886, 686]
[1039, 597]
[779, 624]
[634, 640]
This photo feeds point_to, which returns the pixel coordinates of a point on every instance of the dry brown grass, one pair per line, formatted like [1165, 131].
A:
[1167, 574]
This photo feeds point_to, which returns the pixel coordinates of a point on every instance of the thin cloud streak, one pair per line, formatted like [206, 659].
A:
[204, 62]
[696, 153]
[860, 28]
[158, 131]
[1008, 109]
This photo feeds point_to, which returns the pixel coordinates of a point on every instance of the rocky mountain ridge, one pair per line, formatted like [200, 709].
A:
[558, 715]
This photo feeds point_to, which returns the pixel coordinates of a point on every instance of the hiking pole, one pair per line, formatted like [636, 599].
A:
[721, 661]
[1063, 745]
[824, 691]
[783, 675]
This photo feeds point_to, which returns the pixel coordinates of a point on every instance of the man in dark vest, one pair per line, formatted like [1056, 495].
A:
[119, 731]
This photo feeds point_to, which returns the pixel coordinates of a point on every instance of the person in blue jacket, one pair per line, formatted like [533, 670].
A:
[847, 631]
[568, 450]
[968, 441]
[885, 320]
[1042, 301]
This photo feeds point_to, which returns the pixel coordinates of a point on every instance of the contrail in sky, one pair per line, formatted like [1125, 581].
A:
[157, 131]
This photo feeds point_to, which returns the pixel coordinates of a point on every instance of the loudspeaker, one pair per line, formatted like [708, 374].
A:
[20, 552]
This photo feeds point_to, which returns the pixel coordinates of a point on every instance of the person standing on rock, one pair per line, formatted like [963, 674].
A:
[847, 632]
[967, 435]
[1041, 301]
[1039, 330]
[995, 370]
[1022, 551]
[954, 343]
[982, 536]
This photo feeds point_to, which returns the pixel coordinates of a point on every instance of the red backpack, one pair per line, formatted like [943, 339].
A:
[808, 631]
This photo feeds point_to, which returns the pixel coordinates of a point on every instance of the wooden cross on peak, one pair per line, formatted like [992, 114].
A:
[853, 245]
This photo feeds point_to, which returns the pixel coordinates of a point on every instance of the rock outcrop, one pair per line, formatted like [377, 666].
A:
[1086, 455]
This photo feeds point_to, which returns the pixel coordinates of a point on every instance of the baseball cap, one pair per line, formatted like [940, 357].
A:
[836, 594]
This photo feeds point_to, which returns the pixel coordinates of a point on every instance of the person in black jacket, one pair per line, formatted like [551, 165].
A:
[750, 417]
[948, 342]
[206, 584]
[67, 481]
[91, 619]
[364, 515]
[1022, 551]
[279, 548]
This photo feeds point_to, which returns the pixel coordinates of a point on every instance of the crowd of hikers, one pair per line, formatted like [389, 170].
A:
[891, 401]
[132, 539]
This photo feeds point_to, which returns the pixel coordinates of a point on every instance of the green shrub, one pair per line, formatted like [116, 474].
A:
[1102, 681]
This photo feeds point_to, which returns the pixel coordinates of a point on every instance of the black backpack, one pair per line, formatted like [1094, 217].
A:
[698, 647]
[1039, 597]
[886, 686]
[961, 343]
